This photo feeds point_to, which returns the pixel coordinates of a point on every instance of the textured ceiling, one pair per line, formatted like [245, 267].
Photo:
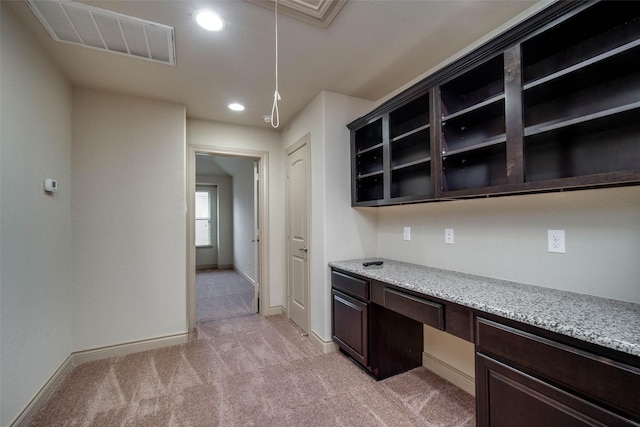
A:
[372, 48]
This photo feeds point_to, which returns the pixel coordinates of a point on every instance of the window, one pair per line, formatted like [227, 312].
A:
[203, 218]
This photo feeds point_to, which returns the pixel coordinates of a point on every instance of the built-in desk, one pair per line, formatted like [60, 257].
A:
[541, 354]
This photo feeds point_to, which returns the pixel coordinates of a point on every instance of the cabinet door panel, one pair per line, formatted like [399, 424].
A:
[512, 398]
[350, 326]
[607, 381]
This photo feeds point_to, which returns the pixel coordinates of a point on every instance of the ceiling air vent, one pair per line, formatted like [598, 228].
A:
[89, 26]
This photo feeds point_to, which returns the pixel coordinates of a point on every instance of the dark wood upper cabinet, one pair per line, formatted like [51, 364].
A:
[554, 103]
[367, 162]
[473, 135]
[410, 150]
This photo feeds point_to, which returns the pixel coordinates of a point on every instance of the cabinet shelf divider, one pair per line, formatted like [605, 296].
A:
[474, 107]
[411, 132]
[488, 143]
[409, 164]
[582, 64]
[370, 174]
[366, 150]
[561, 123]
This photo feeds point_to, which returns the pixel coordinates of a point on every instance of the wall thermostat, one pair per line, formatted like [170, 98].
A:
[51, 185]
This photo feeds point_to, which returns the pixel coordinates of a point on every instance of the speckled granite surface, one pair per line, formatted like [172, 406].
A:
[606, 322]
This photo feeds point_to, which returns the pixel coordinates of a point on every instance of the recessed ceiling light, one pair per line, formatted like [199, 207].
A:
[236, 107]
[208, 20]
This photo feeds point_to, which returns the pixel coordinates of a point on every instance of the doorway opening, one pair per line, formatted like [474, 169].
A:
[224, 277]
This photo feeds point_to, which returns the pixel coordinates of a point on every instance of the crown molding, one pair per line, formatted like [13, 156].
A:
[315, 12]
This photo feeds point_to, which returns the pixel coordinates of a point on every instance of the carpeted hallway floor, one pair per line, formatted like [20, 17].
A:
[221, 294]
[249, 371]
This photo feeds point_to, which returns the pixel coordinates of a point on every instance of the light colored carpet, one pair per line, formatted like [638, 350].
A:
[221, 294]
[249, 371]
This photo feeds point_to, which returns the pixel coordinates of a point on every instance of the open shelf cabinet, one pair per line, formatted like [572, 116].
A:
[397, 167]
[552, 104]
[473, 130]
[581, 95]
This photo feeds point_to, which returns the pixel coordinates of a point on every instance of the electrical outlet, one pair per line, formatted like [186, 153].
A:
[556, 241]
[407, 233]
[448, 236]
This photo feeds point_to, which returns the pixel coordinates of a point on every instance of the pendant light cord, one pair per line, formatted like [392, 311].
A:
[275, 114]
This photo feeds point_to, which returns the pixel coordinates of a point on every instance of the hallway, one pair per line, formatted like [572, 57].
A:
[221, 294]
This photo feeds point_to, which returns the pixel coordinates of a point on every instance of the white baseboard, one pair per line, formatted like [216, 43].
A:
[128, 348]
[325, 346]
[78, 357]
[449, 373]
[207, 267]
[240, 272]
[41, 396]
[275, 311]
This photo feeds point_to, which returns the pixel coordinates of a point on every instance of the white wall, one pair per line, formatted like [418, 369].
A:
[506, 238]
[225, 136]
[225, 217]
[35, 228]
[337, 230]
[129, 224]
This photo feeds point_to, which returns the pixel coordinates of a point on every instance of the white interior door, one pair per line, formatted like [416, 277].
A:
[256, 235]
[298, 196]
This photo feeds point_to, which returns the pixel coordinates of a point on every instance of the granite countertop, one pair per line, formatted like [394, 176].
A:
[605, 322]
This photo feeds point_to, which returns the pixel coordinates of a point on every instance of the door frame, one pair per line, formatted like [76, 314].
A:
[263, 222]
[305, 140]
[256, 232]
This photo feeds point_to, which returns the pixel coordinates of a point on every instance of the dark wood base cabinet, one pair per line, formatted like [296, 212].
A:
[383, 342]
[351, 326]
[525, 380]
[396, 343]
[525, 376]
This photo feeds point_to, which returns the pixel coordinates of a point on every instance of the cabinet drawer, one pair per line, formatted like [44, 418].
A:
[510, 397]
[606, 381]
[350, 285]
[427, 312]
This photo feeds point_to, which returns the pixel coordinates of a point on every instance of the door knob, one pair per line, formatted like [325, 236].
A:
[304, 249]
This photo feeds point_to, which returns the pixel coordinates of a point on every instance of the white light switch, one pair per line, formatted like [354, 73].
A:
[407, 233]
